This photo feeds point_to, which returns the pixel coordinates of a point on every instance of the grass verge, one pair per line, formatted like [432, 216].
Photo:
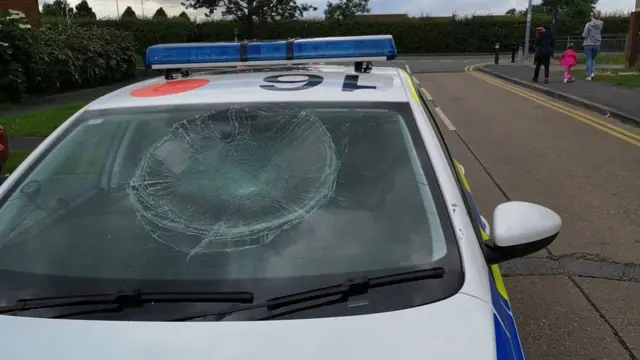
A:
[39, 123]
[627, 81]
[605, 59]
[139, 61]
[16, 157]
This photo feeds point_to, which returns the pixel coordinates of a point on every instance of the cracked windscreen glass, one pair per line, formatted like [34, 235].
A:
[226, 192]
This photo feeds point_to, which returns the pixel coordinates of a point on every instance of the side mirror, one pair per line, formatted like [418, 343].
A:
[519, 229]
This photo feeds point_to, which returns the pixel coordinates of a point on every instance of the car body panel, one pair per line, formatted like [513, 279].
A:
[330, 83]
[429, 330]
[507, 339]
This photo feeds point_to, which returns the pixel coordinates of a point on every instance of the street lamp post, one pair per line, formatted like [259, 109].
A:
[118, 9]
[66, 10]
[527, 31]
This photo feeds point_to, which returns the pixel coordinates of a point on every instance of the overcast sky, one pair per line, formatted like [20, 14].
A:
[107, 8]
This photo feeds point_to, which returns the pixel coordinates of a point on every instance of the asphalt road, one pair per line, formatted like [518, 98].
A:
[439, 64]
[579, 299]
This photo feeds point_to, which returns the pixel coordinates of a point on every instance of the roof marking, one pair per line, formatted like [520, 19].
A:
[169, 88]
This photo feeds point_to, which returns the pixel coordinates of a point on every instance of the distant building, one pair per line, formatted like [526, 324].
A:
[382, 17]
[29, 7]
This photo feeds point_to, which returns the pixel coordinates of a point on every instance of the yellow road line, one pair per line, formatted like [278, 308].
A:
[555, 104]
[578, 115]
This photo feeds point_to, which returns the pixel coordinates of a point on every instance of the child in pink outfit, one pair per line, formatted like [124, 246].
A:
[568, 61]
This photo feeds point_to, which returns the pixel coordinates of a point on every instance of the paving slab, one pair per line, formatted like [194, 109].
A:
[540, 155]
[555, 321]
[619, 302]
[595, 95]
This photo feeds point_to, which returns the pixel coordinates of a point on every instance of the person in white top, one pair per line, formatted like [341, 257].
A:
[592, 35]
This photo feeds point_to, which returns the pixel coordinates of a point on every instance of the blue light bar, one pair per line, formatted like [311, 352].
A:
[352, 48]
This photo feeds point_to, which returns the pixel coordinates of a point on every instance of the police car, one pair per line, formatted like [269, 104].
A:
[283, 209]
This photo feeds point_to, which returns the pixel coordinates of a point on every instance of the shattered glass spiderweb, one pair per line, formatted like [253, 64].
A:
[226, 182]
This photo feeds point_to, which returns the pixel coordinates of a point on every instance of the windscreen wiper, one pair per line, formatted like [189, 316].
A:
[334, 294]
[127, 299]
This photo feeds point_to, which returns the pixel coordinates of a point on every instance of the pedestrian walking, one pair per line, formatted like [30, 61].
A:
[568, 61]
[592, 35]
[544, 48]
[532, 46]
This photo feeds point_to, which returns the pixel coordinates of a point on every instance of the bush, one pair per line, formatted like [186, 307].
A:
[16, 40]
[68, 57]
[412, 35]
[60, 57]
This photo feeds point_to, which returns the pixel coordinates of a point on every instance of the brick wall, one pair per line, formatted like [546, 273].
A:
[28, 7]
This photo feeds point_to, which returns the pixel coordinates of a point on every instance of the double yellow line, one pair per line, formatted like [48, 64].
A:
[622, 134]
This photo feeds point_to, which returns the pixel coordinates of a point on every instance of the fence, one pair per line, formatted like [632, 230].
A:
[610, 43]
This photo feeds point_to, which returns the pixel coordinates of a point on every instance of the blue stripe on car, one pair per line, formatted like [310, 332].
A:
[508, 345]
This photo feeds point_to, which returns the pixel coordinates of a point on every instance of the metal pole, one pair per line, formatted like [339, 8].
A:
[66, 10]
[527, 31]
[554, 17]
[118, 9]
[142, 6]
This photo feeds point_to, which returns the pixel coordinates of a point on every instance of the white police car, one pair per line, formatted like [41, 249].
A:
[279, 211]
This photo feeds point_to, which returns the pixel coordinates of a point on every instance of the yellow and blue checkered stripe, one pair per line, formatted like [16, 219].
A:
[508, 345]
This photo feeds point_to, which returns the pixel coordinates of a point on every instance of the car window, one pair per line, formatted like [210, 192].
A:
[228, 193]
[456, 167]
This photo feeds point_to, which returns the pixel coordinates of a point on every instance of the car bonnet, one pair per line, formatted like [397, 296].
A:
[461, 327]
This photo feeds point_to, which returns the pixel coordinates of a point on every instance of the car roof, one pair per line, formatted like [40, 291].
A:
[327, 83]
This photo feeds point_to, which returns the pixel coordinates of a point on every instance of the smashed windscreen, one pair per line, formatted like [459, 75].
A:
[226, 192]
[227, 182]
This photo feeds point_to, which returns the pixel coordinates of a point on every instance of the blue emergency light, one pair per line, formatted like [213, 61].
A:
[295, 51]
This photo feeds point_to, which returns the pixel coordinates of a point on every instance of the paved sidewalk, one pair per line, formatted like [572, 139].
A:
[24, 144]
[604, 98]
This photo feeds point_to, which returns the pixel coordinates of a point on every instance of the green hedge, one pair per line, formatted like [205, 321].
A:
[59, 57]
[413, 35]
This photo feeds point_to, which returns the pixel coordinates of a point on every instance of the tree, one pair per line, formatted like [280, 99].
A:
[184, 16]
[160, 14]
[251, 12]
[343, 9]
[535, 9]
[568, 9]
[512, 12]
[571, 9]
[568, 5]
[129, 14]
[84, 11]
[56, 9]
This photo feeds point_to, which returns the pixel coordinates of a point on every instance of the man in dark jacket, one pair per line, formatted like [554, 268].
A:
[544, 48]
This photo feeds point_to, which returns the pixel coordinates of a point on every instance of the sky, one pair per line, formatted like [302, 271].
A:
[108, 8]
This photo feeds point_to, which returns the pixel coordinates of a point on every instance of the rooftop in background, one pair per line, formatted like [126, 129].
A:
[389, 17]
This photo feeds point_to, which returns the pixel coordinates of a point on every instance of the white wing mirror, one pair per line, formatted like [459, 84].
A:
[519, 229]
